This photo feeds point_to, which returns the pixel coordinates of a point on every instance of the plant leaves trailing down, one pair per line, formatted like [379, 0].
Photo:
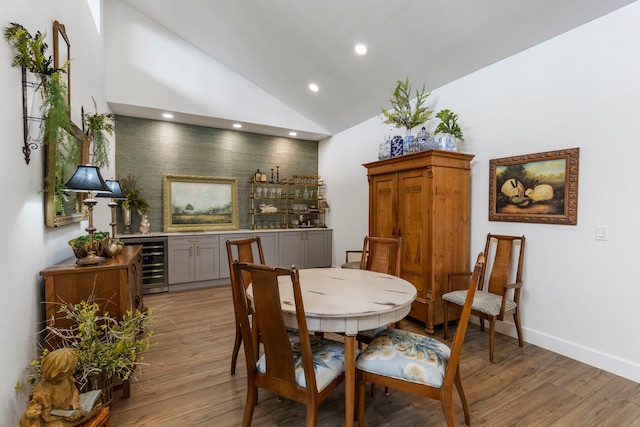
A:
[96, 126]
[403, 115]
[448, 124]
[31, 55]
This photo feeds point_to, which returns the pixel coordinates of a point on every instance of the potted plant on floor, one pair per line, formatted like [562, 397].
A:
[106, 348]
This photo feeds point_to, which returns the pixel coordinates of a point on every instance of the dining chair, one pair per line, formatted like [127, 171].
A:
[495, 302]
[352, 259]
[243, 250]
[384, 255]
[418, 364]
[305, 370]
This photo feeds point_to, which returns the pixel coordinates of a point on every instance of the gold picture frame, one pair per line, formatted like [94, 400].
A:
[199, 203]
[537, 188]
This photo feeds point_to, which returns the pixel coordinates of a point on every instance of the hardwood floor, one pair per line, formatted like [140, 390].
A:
[187, 381]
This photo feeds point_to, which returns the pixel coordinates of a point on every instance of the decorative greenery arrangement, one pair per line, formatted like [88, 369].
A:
[80, 245]
[31, 51]
[96, 126]
[31, 55]
[102, 343]
[449, 124]
[403, 114]
[82, 241]
[134, 199]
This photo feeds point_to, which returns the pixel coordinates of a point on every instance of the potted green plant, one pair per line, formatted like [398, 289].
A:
[134, 201]
[404, 114]
[106, 347]
[80, 244]
[449, 129]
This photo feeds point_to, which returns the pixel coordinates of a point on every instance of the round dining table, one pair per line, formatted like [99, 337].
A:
[348, 301]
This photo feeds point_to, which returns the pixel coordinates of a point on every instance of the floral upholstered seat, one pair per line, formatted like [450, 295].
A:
[402, 354]
[328, 360]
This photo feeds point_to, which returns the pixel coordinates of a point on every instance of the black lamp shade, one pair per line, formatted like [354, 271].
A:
[116, 192]
[87, 179]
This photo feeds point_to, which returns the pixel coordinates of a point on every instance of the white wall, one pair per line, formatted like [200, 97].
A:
[580, 89]
[151, 67]
[28, 245]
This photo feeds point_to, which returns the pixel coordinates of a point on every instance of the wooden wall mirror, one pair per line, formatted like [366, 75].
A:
[61, 209]
[62, 54]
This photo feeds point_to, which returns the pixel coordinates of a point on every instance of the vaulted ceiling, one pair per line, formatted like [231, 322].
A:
[283, 45]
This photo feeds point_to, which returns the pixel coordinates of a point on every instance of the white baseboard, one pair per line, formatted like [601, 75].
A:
[607, 362]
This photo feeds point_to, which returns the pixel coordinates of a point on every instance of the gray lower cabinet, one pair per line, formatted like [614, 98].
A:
[269, 242]
[201, 257]
[305, 248]
[194, 258]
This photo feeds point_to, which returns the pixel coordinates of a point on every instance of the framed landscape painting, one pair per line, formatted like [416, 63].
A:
[539, 187]
[199, 203]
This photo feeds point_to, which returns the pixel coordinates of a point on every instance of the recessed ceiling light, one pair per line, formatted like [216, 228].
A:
[293, 133]
[361, 49]
[167, 115]
[237, 125]
[313, 87]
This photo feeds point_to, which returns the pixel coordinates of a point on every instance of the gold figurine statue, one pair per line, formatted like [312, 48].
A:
[55, 400]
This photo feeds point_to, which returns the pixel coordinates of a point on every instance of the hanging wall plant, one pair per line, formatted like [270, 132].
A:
[31, 56]
[30, 50]
[96, 126]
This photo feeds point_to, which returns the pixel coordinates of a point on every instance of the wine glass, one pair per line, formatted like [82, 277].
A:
[259, 192]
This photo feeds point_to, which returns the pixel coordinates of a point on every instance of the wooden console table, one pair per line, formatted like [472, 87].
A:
[116, 285]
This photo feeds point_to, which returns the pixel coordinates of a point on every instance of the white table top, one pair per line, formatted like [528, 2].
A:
[348, 300]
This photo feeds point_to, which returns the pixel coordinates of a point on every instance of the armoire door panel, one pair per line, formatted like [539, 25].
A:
[383, 207]
[412, 205]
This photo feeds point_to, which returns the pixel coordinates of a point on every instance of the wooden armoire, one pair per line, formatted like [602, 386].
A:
[425, 198]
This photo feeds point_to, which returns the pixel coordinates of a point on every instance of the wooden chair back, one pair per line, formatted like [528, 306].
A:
[279, 374]
[501, 249]
[243, 250]
[384, 255]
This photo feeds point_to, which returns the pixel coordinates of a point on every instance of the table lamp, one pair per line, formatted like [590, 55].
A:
[324, 206]
[115, 247]
[87, 179]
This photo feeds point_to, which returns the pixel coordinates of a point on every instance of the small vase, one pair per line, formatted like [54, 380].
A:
[384, 150]
[396, 146]
[448, 142]
[407, 144]
[126, 219]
